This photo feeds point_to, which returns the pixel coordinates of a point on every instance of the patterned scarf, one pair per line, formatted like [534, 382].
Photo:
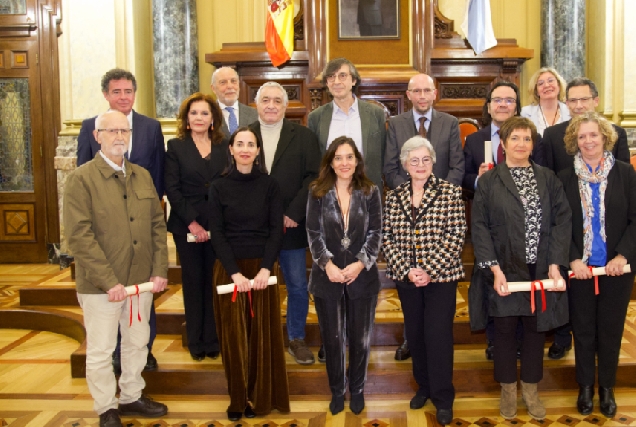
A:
[585, 190]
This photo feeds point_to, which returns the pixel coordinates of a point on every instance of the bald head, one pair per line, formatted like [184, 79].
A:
[225, 84]
[421, 92]
[112, 132]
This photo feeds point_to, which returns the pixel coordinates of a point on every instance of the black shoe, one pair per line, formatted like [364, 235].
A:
[249, 412]
[584, 402]
[143, 407]
[556, 351]
[116, 365]
[212, 354]
[322, 357]
[234, 416]
[444, 416]
[608, 403]
[403, 352]
[151, 363]
[418, 401]
[357, 403]
[110, 418]
[337, 404]
[490, 351]
[197, 356]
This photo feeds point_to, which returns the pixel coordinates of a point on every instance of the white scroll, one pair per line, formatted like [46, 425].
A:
[192, 238]
[140, 288]
[229, 288]
[488, 152]
[549, 283]
[600, 271]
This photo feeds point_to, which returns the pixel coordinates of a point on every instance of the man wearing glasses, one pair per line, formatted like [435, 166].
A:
[581, 97]
[347, 115]
[146, 148]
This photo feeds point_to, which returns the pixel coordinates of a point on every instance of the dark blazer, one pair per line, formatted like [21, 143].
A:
[558, 159]
[325, 232]
[247, 116]
[620, 212]
[474, 155]
[443, 134]
[188, 178]
[373, 123]
[296, 164]
[498, 233]
[148, 149]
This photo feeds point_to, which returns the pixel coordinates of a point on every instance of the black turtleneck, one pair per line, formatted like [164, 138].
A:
[246, 219]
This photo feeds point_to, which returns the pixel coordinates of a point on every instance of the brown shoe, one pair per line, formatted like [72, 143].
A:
[530, 397]
[144, 407]
[300, 352]
[508, 401]
[110, 418]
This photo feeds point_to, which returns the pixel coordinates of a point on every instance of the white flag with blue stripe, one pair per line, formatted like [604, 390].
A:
[477, 26]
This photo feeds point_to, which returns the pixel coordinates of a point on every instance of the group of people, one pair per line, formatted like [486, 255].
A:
[250, 190]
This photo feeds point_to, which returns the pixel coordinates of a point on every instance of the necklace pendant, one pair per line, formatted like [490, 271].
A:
[345, 242]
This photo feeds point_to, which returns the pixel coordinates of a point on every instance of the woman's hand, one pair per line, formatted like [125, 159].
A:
[500, 283]
[260, 280]
[200, 234]
[580, 270]
[352, 271]
[419, 277]
[241, 282]
[615, 266]
[334, 273]
[554, 273]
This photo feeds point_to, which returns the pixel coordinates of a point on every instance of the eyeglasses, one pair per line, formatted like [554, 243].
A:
[113, 132]
[548, 81]
[341, 76]
[426, 91]
[500, 101]
[415, 161]
[574, 101]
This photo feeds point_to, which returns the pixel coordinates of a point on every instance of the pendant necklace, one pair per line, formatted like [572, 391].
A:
[545, 122]
[345, 242]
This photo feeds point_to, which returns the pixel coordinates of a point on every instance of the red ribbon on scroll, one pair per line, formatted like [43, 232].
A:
[534, 286]
[131, 306]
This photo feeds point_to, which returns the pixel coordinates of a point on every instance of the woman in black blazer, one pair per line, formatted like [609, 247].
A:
[193, 160]
[602, 195]
[344, 220]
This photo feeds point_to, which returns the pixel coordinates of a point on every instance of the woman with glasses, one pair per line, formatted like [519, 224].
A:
[422, 240]
[547, 91]
[521, 226]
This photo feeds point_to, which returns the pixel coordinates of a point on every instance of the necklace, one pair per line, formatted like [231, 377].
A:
[345, 242]
[545, 122]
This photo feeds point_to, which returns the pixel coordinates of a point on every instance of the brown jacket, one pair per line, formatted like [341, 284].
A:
[114, 226]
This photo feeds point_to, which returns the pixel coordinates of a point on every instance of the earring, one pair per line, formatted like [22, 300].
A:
[256, 161]
[188, 126]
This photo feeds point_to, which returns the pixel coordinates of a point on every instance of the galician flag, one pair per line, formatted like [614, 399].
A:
[279, 30]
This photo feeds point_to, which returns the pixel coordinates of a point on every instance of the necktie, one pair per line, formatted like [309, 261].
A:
[500, 151]
[422, 127]
[233, 123]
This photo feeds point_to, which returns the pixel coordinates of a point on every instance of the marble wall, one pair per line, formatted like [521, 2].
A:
[563, 36]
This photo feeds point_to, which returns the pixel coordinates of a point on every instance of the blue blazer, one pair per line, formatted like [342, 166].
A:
[148, 149]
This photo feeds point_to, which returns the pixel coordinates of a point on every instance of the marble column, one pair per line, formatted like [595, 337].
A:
[175, 54]
[563, 36]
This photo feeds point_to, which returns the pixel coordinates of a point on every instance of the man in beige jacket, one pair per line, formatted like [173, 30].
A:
[117, 233]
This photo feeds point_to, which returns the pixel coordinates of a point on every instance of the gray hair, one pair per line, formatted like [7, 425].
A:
[272, 84]
[413, 144]
[214, 74]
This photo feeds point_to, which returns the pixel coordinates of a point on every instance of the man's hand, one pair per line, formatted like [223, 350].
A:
[483, 168]
[289, 223]
[159, 284]
[117, 293]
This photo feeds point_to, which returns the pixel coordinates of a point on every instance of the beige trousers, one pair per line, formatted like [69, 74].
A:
[101, 319]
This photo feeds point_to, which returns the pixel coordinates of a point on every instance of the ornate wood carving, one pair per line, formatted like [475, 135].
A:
[18, 222]
[444, 27]
[460, 91]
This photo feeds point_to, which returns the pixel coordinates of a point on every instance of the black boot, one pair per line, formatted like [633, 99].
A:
[584, 403]
[608, 403]
[337, 404]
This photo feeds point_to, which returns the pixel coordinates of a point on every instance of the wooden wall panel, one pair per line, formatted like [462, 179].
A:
[18, 222]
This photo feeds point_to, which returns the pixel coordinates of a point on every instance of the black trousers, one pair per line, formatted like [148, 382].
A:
[197, 263]
[346, 320]
[429, 312]
[506, 350]
[598, 322]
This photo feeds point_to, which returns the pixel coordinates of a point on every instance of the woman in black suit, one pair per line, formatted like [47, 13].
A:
[602, 195]
[344, 220]
[194, 159]
[423, 236]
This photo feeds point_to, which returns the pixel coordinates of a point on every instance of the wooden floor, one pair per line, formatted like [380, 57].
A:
[37, 389]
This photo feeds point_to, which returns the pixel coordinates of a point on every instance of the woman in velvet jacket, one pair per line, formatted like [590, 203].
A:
[344, 220]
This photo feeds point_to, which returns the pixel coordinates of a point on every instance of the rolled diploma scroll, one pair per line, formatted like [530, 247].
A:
[549, 283]
[191, 238]
[140, 288]
[229, 288]
[488, 152]
[600, 271]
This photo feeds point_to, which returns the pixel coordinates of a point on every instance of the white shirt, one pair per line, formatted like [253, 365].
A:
[346, 125]
[113, 164]
[226, 114]
[427, 123]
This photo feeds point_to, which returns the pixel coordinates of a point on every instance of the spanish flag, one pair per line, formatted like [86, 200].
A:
[279, 30]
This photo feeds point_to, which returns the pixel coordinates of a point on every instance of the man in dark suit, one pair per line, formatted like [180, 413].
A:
[581, 97]
[226, 87]
[146, 149]
[350, 116]
[292, 157]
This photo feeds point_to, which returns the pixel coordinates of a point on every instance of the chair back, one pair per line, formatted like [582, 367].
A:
[466, 127]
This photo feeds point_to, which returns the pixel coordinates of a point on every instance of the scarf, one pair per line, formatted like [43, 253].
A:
[585, 190]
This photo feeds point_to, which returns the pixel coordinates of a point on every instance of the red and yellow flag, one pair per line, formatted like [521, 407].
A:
[279, 30]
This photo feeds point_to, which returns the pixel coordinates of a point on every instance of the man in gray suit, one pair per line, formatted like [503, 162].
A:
[441, 129]
[350, 116]
[226, 87]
